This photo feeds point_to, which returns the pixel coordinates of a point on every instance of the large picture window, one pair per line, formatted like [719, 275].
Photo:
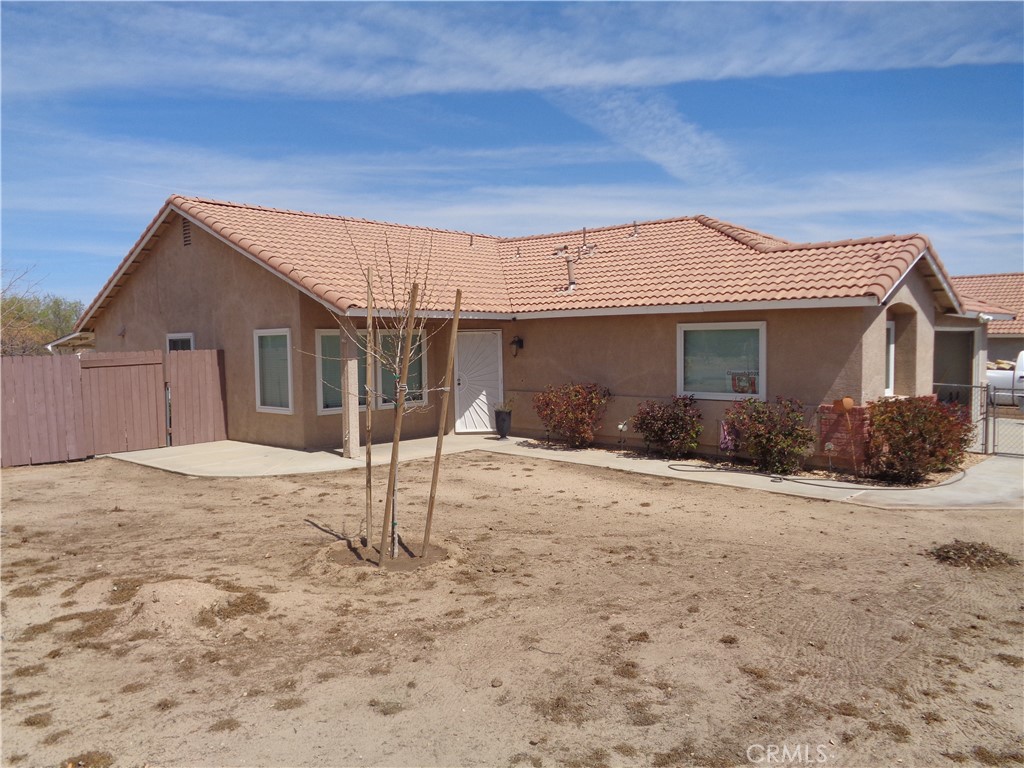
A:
[386, 373]
[721, 361]
[272, 350]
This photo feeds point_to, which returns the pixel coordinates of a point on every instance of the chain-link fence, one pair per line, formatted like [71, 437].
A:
[999, 426]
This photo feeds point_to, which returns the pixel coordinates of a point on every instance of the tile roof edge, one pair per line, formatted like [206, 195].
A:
[306, 283]
[908, 238]
[984, 275]
[129, 257]
[988, 306]
[328, 216]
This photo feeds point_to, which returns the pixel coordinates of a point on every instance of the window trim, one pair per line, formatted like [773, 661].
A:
[320, 409]
[176, 336]
[762, 367]
[287, 333]
[890, 357]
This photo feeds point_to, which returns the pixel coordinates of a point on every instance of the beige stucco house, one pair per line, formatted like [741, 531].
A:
[1002, 295]
[651, 309]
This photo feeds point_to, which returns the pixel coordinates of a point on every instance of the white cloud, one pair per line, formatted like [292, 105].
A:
[380, 49]
[650, 126]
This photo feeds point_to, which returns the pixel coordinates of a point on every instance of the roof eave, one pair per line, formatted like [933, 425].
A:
[720, 306]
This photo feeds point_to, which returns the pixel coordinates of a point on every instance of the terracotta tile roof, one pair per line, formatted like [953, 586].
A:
[326, 255]
[1004, 291]
[699, 261]
[684, 261]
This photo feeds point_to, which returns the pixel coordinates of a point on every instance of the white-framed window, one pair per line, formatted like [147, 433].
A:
[328, 372]
[329, 367]
[721, 361]
[890, 357]
[390, 345]
[181, 342]
[272, 353]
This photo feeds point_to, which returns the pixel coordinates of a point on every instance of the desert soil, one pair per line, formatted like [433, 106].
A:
[578, 617]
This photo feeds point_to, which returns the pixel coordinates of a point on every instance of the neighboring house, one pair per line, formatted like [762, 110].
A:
[1000, 295]
[652, 309]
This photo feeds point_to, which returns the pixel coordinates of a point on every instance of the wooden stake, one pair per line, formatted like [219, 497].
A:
[446, 387]
[369, 403]
[399, 410]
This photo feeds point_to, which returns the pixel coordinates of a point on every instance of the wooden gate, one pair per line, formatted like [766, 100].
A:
[64, 408]
[195, 397]
[123, 395]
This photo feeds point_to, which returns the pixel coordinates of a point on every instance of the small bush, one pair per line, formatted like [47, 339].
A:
[572, 411]
[773, 434]
[910, 437]
[673, 428]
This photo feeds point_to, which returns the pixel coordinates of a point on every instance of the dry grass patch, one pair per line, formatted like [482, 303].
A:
[53, 738]
[30, 670]
[38, 720]
[386, 707]
[986, 756]
[972, 554]
[227, 724]
[246, 604]
[560, 709]
[627, 669]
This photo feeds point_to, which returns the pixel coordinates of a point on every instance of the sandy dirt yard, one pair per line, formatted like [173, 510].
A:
[581, 617]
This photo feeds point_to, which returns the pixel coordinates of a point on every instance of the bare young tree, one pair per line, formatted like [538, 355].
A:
[404, 290]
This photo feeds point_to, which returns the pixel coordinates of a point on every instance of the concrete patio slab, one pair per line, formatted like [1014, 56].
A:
[996, 482]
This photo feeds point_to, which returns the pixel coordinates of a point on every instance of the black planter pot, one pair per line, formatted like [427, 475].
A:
[503, 423]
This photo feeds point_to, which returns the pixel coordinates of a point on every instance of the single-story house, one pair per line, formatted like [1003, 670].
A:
[650, 309]
[1003, 294]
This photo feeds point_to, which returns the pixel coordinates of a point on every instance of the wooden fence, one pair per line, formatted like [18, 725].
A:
[63, 408]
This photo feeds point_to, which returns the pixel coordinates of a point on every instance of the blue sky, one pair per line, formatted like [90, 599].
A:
[810, 121]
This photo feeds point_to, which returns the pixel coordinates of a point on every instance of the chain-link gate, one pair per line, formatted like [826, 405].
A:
[999, 428]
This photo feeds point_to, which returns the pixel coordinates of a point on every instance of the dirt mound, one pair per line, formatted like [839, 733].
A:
[971, 554]
[177, 608]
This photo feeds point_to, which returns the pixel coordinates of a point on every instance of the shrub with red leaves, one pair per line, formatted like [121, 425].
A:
[910, 437]
[572, 411]
[673, 427]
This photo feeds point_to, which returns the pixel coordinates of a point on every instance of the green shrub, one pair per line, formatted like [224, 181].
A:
[572, 411]
[773, 434]
[910, 437]
[673, 427]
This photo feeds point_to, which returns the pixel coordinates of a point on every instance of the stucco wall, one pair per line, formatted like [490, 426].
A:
[212, 291]
[812, 355]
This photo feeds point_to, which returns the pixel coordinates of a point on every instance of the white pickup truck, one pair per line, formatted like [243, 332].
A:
[1006, 387]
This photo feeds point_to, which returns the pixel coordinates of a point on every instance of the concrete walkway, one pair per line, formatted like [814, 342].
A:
[997, 482]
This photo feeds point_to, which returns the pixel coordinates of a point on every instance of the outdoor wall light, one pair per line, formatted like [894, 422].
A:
[516, 344]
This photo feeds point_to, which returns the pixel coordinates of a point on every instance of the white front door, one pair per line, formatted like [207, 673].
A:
[478, 386]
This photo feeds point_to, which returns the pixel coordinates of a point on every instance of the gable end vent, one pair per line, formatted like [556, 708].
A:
[186, 232]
